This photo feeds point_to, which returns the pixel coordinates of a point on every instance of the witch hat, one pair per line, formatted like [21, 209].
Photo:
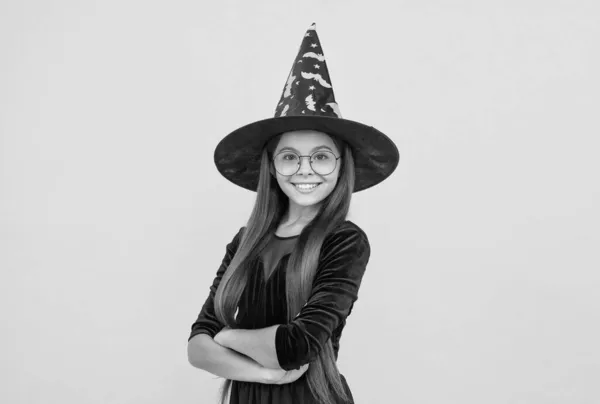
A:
[307, 102]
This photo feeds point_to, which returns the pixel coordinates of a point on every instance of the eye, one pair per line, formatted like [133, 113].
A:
[322, 156]
[288, 156]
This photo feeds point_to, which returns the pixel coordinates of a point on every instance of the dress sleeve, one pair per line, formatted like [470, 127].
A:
[207, 322]
[342, 264]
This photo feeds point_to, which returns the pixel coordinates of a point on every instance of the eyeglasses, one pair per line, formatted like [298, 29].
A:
[288, 163]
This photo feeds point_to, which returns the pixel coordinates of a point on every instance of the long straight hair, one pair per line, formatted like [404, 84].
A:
[323, 376]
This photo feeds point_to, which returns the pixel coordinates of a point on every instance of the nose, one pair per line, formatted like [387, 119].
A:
[305, 167]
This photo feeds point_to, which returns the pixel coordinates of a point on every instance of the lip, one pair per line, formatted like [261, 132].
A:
[305, 183]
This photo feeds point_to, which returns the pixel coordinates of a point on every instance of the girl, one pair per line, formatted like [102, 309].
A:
[272, 322]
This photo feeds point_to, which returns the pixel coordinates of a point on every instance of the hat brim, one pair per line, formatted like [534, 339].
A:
[237, 156]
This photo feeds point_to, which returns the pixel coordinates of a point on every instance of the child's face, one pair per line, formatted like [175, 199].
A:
[317, 182]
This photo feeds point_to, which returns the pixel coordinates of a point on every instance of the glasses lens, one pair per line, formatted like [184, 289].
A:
[286, 163]
[323, 162]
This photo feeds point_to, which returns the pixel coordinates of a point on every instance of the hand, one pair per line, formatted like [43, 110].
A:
[220, 338]
[280, 376]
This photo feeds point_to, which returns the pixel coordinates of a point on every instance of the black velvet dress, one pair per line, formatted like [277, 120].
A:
[342, 264]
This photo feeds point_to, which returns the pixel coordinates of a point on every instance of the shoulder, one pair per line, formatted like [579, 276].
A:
[345, 252]
[347, 237]
[348, 229]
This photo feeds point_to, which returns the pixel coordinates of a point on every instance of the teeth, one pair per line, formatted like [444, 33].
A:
[306, 186]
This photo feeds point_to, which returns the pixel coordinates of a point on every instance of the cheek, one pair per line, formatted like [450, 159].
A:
[334, 177]
[283, 183]
[331, 183]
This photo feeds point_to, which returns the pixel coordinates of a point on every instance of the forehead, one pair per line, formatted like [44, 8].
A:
[305, 140]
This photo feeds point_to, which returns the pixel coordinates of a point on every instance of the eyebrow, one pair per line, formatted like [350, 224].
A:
[312, 151]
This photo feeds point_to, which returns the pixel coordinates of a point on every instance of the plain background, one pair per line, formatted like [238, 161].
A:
[484, 276]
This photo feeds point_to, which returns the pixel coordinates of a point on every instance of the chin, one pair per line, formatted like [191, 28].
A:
[305, 203]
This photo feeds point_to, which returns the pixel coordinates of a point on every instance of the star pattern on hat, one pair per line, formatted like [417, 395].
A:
[308, 90]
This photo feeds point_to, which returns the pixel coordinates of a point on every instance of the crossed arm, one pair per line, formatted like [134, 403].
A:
[206, 354]
[227, 355]
[257, 344]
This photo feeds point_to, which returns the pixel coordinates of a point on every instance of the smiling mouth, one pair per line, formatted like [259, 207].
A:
[306, 187]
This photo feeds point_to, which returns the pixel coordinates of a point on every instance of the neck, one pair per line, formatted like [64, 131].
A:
[299, 215]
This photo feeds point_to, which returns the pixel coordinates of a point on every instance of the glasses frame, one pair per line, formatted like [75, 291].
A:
[310, 161]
